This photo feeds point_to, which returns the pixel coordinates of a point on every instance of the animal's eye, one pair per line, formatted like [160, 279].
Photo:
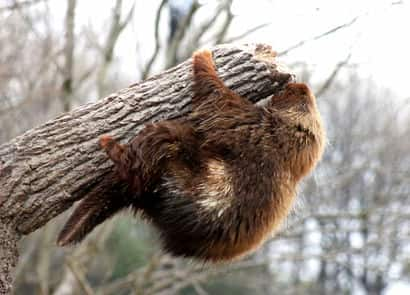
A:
[299, 128]
[304, 106]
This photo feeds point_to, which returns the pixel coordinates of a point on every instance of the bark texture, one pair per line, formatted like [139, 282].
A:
[8, 256]
[45, 170]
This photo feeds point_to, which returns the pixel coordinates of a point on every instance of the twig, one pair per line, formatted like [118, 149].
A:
[198, 289]
[171, 58]
[17, 5]
[148, 67]
[333, 75]
[250, 31]
[117, 26]
[80, 277]
[67, 87]
[327, 33]
[208, 24]
[224, 28]
[194, 41]
[119, 284]
[149, 270]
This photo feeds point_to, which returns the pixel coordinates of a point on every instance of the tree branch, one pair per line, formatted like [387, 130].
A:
[67, 86]
[172, 52]
[332, 76]
[19, 4]
[320, 36]
[116, 28]
[248, 32]
[227, 23]
[151, 61]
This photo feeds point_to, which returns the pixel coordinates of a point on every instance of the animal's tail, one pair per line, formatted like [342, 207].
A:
[106, 199]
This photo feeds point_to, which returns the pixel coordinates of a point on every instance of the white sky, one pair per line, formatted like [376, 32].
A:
[379, 40]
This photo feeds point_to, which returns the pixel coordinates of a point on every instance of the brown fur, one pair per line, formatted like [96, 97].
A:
[217, 183]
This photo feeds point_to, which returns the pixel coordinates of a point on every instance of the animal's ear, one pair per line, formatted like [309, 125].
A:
[95, 209]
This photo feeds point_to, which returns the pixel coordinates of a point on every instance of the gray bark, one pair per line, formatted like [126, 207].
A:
[8, 256]
[45, 170]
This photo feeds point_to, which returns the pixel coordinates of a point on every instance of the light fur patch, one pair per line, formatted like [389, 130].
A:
[215, 191]
[283, 203]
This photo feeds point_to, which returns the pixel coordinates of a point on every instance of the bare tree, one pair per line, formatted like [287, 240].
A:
[107, 50]
[67, 87]
[192, 33]
[27, 98]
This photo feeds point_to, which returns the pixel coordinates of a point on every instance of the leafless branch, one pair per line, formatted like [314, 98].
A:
[320, 36]
[172, 52]
[19, 4]
[333, 75]
[67, 86]
[248, 32]
[198, 289]
[147, 68]
[117, 26]
[80, 277]
[203, 28]
[225, 26]
[195, 38]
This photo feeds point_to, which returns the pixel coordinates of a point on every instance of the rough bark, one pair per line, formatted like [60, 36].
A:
[8, 256]
[45, 170]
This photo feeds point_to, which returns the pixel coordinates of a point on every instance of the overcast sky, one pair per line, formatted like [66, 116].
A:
[378, 40]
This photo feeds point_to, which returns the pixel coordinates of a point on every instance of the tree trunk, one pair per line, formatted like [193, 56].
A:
[68, 69]
[45, 170]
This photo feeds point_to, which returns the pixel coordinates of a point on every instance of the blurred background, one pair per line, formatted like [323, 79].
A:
[350, 230]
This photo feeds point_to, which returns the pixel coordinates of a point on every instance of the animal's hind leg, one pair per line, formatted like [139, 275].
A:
[102, 202]
[142, 161]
